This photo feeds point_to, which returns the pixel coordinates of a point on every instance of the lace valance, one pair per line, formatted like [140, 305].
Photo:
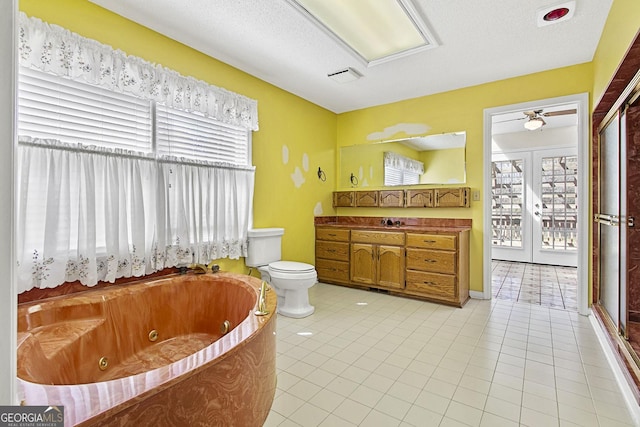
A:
[56, 50]
[397, 161]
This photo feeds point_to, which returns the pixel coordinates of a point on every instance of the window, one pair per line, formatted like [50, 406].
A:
[111, 185]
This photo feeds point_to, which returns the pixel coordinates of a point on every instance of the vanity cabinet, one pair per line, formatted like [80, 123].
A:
[377, 258]
[332, 254]
[420, 262]
[438, 266]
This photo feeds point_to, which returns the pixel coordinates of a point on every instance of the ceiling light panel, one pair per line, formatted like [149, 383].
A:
[375, 30]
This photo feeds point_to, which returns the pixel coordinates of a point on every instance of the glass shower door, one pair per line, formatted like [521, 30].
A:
[608, 220]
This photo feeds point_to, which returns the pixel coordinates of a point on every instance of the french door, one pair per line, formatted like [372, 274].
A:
[534, 212]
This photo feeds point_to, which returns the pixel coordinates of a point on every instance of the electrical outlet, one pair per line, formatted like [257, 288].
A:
[475, 195]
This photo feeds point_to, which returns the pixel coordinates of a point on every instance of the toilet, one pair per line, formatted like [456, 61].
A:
[291, 280]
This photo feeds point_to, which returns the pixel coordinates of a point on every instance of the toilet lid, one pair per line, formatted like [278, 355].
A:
[291, 266]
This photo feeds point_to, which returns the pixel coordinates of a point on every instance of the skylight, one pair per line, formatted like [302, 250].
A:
[376, 31]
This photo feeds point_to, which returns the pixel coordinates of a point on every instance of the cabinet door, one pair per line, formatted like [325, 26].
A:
[363, 267]
[451, 197]
[390, 267]
[391, 198]
[343, 199]
[367, 198]
[419, 198]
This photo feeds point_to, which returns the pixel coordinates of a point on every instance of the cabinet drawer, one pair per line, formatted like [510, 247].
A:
[333, 250]
[381, 237]
[432, 241]
[332, 270]
[433, 261]
[431, 284]
[336, 234]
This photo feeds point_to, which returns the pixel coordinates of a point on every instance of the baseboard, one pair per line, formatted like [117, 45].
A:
[620, 378]
[476, 295]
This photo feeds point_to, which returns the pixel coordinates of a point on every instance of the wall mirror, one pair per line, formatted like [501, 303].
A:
[431, 159]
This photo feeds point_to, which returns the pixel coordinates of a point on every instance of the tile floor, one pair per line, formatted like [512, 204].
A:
[546, 285]
[370, 359]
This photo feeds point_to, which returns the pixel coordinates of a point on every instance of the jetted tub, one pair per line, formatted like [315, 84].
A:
[178, 351]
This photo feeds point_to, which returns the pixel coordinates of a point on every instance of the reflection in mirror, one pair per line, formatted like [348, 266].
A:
[432, 159]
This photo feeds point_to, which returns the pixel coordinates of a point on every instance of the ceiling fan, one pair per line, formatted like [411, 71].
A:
[535, 118]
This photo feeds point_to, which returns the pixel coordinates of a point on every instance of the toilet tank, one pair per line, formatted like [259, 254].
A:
[265, 246]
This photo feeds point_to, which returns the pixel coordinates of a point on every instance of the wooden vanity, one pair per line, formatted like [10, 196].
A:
[425, 258]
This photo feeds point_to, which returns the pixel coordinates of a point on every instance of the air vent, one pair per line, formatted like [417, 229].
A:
[344, 76]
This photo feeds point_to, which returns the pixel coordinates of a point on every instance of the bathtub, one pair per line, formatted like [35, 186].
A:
[177, 351]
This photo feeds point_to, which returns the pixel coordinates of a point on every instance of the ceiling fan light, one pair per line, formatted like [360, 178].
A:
[534, 124]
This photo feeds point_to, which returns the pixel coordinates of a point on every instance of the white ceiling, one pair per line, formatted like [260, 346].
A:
[479, 41]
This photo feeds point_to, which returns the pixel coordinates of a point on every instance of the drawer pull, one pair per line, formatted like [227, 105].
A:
[332, 235]
[331, 250]
[430, 260]
[429, 241]
[430, 283]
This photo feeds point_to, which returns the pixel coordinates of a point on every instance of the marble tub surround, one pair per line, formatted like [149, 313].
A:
[193, 373]
[404, 223]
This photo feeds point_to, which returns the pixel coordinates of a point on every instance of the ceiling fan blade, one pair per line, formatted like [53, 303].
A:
[511, 120]
[560, 113]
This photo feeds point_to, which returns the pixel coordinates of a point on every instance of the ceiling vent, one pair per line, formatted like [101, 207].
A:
[345, 76]
[557, 13]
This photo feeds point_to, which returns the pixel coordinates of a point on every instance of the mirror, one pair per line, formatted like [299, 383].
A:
[431, 159]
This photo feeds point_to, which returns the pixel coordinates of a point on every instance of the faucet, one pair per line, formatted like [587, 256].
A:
[203, 269]
[262, 301]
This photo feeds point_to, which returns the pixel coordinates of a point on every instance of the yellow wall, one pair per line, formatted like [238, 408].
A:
[618, 34]
[285, 119]
[443, 166]
[452, 112]
[312, 134]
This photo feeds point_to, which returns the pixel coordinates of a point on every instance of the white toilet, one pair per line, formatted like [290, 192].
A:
[290, 279]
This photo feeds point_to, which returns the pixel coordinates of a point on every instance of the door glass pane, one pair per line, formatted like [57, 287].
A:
[559, 212]
[507, 197]
[609, 181]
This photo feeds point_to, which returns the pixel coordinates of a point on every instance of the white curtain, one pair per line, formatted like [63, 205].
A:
[56, 50]
[92, 214]
[403, 163]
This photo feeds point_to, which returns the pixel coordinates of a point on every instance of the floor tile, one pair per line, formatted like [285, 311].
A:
[401, 362]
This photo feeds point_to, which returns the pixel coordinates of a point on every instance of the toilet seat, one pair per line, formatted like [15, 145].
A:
[292, 270]
[291, 267]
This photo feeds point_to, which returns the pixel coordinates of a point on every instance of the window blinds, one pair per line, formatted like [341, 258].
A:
[194, 136]
[52, 107]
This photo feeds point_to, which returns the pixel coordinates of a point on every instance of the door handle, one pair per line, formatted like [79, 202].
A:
[612, 220]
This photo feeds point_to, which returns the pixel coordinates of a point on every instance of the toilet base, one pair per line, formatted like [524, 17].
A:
[294, 303]
[297, 313]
